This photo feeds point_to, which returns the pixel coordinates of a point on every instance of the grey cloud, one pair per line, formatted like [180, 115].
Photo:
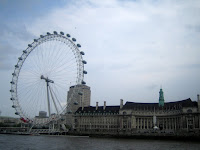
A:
[119, 67]
[14, 38]
[195, 28]
[190, 66]
[16, 30]
[7, 53]
[152, 86]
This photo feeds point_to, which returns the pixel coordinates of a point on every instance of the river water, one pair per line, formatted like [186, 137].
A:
[27, 142]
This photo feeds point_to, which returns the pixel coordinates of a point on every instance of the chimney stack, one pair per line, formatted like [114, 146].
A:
[96, 105]
[104, 107]
[121, 103]
[198, 101]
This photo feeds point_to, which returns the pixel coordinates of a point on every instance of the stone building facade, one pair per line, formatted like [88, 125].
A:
[172, 117]
[97, 118]
[81, 98]
[131, 118]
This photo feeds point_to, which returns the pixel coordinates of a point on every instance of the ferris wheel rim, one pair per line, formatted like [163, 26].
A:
[44, 38]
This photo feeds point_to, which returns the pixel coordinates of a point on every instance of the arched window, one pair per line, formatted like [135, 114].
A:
[189, 111]
[124, 113]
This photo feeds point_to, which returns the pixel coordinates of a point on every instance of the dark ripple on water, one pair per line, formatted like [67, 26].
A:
[20, 142]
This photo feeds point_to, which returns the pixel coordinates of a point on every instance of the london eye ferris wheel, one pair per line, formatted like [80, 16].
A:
[45, 71]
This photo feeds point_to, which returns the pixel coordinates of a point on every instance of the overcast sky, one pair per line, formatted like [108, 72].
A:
[132, 47]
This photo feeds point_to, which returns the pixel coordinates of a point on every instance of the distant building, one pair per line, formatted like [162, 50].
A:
[9, 121]
[131, 118]
[81, 97]
[43, 114]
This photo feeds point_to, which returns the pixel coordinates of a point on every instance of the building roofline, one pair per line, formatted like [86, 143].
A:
[188, 99]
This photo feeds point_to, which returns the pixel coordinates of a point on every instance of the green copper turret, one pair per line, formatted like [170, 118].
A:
[161, 98]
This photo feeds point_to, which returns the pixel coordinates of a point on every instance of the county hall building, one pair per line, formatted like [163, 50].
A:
[132, 118]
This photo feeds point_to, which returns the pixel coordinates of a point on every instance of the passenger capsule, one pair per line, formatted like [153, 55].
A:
[16, 113]
[35, 40]
[75, 103]
[78, 45]
[62, 33]
[29, 45]
[68, 35]
[24, 52]
[73, 39]
[85, 72]
[84, 62]
[12, 82]
[20, 58]
[80, 93]
[69, 112]
[41, 36]
[48, 33]
[55, 32]
[83, 82]
[82, 53]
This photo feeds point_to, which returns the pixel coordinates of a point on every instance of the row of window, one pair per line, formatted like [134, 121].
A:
[98, 126]
[158, 112]
[96, 114]
[174, 107]
[140, 123]
[97, 120]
